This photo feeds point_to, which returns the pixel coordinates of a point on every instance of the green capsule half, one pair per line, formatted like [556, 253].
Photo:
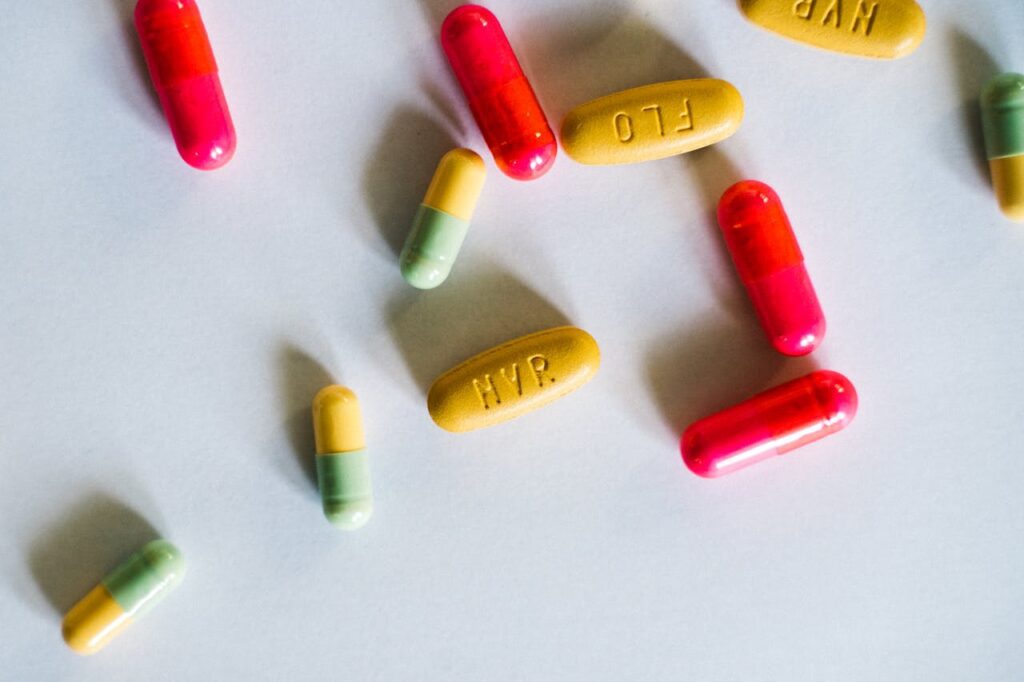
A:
[443, 219]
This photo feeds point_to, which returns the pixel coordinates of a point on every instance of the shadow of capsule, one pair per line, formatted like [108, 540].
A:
[699, 371]
[577, 56]
[72, 556]
[300, 378]
[476, 309]
[132, 75]
[974, 67]
[399, 171]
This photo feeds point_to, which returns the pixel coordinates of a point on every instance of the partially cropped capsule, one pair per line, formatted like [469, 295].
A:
[128, 592]
[499, 95]
[771, 266]
[342, 466]
[443, 219]
[771, 423]
[184, 73]
[1002, 110]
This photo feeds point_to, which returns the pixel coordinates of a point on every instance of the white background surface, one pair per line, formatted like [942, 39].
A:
[163, 333]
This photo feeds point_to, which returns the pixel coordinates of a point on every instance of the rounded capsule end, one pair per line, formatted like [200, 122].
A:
[695, 455]
[424, 273]
[526, 162]
[837, 397]
[802, 342]
[165, 560]
[350, 515]
[337, 421]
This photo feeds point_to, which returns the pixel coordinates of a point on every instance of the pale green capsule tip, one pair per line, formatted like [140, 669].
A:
[424, 273]
[432, 247]
[349, 515]
[146, 576]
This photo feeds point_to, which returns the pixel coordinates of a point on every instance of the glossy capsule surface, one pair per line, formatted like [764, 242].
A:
[513, 379]
[1002, 110]
[771, 423]
[442, 221]
[499, 95]
[342, 465]
[128, 592]
[771, 266]
[184, 73]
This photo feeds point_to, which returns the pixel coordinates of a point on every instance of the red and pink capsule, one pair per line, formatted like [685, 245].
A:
[499, 95]
[771, 265]
[771, 423]
[184, 73]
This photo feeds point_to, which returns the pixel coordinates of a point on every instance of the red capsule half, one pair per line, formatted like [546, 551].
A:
[184, 73]
[771, 423]
[501, 99]
[771, 266]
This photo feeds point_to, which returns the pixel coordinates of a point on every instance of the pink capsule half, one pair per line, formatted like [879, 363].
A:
[771, 266]
[771, 423]
[184, 73]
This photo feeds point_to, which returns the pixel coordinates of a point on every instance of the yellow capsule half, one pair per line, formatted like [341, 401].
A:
[652, 122]
[94, 621]
[512, 379]
[880, 29]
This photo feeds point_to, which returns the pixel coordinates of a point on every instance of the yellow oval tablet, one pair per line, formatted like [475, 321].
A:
[513, 379]
[652, 122]
[883, 29]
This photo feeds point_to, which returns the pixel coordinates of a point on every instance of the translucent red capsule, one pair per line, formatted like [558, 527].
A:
[771, 423]
[184, 73]
[771, 266]
[499, 95]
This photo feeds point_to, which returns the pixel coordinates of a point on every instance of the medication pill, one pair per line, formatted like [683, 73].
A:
[882, 29]
[128, 592]
[443, 219]
[1002, 111]
[771, 266]
[515, 378]
[652, 122]
[499, 95]
[342, 465]
[771, 423]
[184, 73]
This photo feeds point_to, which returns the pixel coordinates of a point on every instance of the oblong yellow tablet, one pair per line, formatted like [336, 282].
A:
[652, 122]
[515, 378]
[882, 29]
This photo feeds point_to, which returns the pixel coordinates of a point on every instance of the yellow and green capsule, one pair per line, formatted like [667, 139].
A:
[443, 219]
[128, 592]
[1002, 115]
[342, 467]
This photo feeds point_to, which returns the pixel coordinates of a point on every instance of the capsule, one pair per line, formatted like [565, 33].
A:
[771, 266]
[184, 73]
[513, 379]
[652, 122]
[771, 423]
[342, 466]
[128, 592]
[1002, 109]
[443, 219]
[499, 95]
[879, 29]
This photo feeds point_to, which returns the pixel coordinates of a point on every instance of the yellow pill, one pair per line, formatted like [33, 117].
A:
[513, 379]
[652, 122]
[882, 29]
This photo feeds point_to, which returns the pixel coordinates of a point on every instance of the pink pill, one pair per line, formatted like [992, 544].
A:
[771, 423]
[184, 73]
[771, 266]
